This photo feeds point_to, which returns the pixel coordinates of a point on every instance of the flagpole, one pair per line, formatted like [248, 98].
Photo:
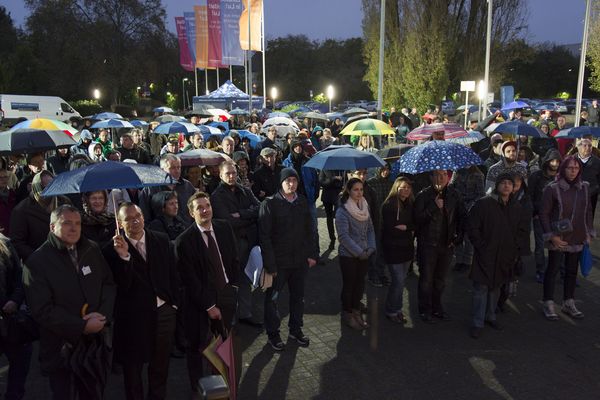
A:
[249, 57]
[218, 80]
[196, 78]
[262, 20]
[231, 73]
[246, 70]
[206, 79]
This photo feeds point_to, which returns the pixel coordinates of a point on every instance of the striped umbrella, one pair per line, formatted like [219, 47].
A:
[47, 125]
[451, 131]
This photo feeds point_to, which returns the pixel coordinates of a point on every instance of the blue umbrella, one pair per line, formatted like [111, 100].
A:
[138, 123]
[107, 175]
[344, 158]
[163, 110]
[239, 111]
[472, 137]
[221, 126]
[578, 132]
[278, 114]
[106, 115]
[176, 127]
[253, 137]
[435, 155]
[209, 131]
[111, 123]
[514, 104]
[518, 128]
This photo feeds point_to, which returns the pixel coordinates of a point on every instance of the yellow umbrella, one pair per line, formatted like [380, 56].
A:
[46, 125]
[369, 126]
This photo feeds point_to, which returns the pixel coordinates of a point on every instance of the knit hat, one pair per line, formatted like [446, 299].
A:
[287, 173]
[85, 134]
[505, 176]
[267, 151]
[317, 129]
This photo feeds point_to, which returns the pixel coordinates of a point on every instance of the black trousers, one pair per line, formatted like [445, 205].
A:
[433, 268]
[330, 209]
[158, 368]
[294, 278]
[353, 281]
[19, 357]
[571, 263]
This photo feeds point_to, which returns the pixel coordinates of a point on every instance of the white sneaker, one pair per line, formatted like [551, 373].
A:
[570, 309]
[549, 311]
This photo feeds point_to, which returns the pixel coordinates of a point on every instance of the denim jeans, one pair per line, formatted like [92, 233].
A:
[484, 304]
[433, 268]
[294, 278]
[538, 234]
[393, 303]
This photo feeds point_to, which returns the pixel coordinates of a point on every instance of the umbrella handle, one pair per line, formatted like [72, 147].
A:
[112, 193]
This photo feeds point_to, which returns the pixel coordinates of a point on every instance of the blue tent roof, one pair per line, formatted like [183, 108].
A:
[227, 91]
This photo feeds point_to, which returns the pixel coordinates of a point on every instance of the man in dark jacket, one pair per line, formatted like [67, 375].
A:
[266, 177]
[591, 170]
[143, 264]
[288, 250]
[209, 266]
[60, 161]
[441, 216]
[71, 293]
[166, 208]
[593, 114]
[497, 228]
[237, 205]
[537, 182]
[130, 151]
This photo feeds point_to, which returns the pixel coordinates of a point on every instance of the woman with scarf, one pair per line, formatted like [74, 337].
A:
[30, 219]
[397, 240]
[566, 218]
[356, 238]
[96, 222]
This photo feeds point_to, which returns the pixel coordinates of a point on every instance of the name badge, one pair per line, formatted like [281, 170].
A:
[86, 270]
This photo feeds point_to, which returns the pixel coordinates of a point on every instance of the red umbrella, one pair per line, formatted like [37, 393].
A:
[451, 131]
[225, 352]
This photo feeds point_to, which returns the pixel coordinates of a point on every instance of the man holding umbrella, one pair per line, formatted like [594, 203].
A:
[71, 293]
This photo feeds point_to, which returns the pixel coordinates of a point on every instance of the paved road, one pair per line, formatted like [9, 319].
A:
[531, 359]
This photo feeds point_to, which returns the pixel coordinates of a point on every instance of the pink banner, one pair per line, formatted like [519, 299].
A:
[184, 51]
[215, 56]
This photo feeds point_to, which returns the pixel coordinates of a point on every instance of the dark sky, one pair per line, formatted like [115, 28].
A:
[559, 21]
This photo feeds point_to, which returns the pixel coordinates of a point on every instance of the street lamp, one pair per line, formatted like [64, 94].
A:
[274, 95]
[330, 94]
[183, 90]
[96, 94]
[482, 95]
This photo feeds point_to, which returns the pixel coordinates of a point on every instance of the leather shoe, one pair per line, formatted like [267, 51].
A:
[250, 322]
[495, 325]
[427, 318]
[475, 332]
[442, 316]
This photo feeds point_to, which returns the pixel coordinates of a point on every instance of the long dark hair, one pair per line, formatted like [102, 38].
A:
[346, 193]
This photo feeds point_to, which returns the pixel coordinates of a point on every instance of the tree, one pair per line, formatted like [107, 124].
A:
[593, 50]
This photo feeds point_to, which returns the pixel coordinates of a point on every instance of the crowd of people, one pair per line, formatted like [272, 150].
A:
[162, 269]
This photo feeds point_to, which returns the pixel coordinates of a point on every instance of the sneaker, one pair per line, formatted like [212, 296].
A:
[276, 343]
[549, 312]
[570, 309]
[375, 282]
[442, 315]
[300, 337]
[398, 318]
[350, 321]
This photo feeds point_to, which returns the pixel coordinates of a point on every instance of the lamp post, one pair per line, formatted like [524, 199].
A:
[96, 94]
[482, 94]
[488, 45]
[274, 95]
[584, 44]
[183, 91]
[330, 94]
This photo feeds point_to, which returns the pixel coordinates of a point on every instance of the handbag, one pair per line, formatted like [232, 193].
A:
[564, 225]
[19, 328]
[585, 260]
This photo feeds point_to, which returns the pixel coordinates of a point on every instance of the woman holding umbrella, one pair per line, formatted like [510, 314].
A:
[366, 143]
[357, 242]
[397, 240]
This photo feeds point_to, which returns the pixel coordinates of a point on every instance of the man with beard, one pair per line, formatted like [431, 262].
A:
[537, 182]
[507, 164]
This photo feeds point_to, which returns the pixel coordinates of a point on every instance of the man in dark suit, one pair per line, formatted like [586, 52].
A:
[144, 267]
[208, 263]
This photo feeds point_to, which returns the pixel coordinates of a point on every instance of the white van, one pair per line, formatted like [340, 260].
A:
[15, 107]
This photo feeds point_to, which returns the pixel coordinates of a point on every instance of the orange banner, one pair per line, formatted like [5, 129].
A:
[201, 13]
[256, 10]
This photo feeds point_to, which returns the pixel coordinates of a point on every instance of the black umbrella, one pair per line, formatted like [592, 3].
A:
[356, 118]
[89, 362]
[354, 111]
[394, 152]
[18, 141]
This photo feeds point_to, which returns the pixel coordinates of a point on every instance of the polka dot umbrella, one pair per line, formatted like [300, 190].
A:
[434, 155]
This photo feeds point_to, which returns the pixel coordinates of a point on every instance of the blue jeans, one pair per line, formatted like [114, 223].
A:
[538, 234]
[393, 303]
[484, 304]
[294, 277]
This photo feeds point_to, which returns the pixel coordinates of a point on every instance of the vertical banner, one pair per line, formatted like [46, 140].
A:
[190, 32]
[232, 53]
[184, 52]
[214, 33]
[255, 25]
[201, 14]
